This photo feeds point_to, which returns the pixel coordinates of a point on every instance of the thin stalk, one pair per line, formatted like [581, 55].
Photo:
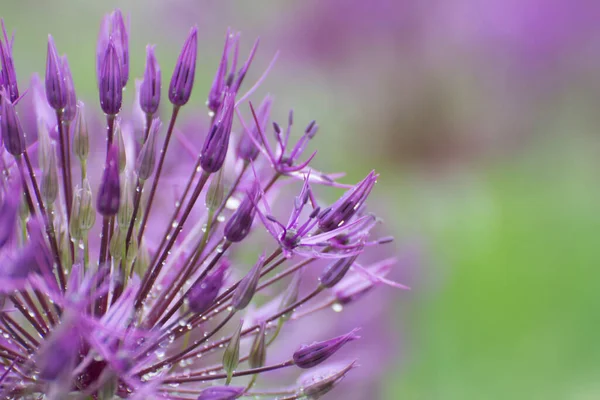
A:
[155, 268]
[161, 160]
[252, 371]
[47, 221]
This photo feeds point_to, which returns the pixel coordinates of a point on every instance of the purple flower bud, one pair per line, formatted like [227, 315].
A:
[239, 224]
[216, 143]
[110, 85]
[12, 131]
[246, 149]
[8, 213]
[244, 70]
[336, 271]
[8, 75]
[182, 80]
[109, 193]
[221, 393]
[150, 87]
[113, 28]
[70, 110]
[314, 354]
[146, 160]
[245, 291]
[56, 91]
[347, 205]
[202, 295]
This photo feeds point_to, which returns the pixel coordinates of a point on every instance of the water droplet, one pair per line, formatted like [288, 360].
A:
[337, 307]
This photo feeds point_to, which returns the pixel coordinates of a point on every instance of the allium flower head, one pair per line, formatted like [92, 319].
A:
[104, 296]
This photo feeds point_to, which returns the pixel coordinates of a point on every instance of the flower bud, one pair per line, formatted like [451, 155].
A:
[49, 184]
[216, 192]
[258, 352]
[121, 146]
[56, 91]
[239, 224]
[109, 193]
[110, 81]
[290, 297]
[203, 294]
[182, 79]
[81, 139]
[150, 87]
[12, 131]
[117, 244]
[231, 356]
[245, 291]
[146, 160]
[216, 143]
[321, 384]
[64, 245]
[335, 271]
[8, 77]
[125, 212]
[221, 393]
[70, 110]
[314, 354]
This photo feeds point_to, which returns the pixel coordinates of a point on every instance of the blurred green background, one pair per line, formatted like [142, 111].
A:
[482, 118]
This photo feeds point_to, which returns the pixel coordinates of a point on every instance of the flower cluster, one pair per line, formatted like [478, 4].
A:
[96, 304]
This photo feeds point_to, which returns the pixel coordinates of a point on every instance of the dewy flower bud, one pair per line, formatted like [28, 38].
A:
[12, 131]
[109, 193]
[83, 214]
[231, 356]
[240, 222]
[117, 244]
[258, 352]
[56, 91]
[81, 139]
[314, 354]
[245, 291]
[216, 143]
[110, 81]
[150, 87]
[182, 79]
[8, 76]
[146, 160]
[203, 294]
[49, 184]
[221, 393]
[347, 205]
[335, 271]
[70, 110]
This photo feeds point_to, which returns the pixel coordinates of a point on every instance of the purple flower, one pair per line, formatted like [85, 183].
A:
[8, 76]
[129, 307]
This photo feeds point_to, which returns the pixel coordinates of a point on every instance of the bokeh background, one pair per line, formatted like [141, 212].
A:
[482, 117]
